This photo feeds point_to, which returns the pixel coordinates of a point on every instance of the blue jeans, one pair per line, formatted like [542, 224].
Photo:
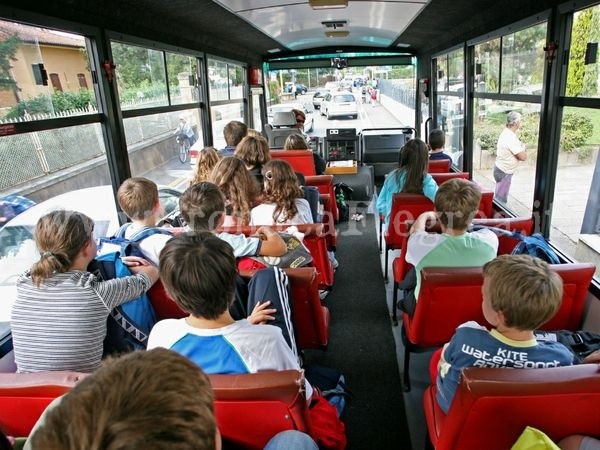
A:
[291, 440]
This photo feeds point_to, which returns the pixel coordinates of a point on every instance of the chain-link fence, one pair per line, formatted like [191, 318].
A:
[403, 91]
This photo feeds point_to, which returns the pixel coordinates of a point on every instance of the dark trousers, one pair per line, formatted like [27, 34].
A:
[271, 284]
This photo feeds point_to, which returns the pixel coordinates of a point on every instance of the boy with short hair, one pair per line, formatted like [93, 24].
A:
[520, 293]
[209, 336]
[437, 140]
[456, 203]
[138, 198]
[233, 133]
[203, 208]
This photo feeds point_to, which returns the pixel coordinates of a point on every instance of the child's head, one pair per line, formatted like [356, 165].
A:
[154, 398]
[198, 272]
[238, 186]
[281, 188]
[295, 142]
[207, 160]
[202, 206]
[254, 133]
[413, 161]
[254, 151]
[437, 139]
[138, 197]
[456, 203]
[234, 132]
[522, 290]
[60, 236]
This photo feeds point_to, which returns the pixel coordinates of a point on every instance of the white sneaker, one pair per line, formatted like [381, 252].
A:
[334, 262]
[323, 293]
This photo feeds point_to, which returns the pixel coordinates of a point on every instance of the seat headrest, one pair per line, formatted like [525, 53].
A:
[284, 119]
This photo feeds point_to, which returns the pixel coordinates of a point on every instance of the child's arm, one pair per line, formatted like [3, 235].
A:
[141, 265]
[261, 314]
[421, 223]
[272, 244]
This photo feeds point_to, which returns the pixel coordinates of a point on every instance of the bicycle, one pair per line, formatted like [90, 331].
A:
[184, 147]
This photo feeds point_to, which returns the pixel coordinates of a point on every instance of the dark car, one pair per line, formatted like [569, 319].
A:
[300, 88]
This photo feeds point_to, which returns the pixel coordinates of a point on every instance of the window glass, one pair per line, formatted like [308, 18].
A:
[451, 120]
[41, 171]
[575, 225]
[583, 76]
[218, 80]
[236, 82]
[488, 125]
[523, 60]
[442, 73]
[44, 77]
[221, 115]
[153, 147]
[140, 76]
[456, 77]
[183, 80]
[487, 66]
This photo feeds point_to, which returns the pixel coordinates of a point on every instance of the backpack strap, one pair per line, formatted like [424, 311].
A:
[146, 232]
[121, 231]
[498, 231]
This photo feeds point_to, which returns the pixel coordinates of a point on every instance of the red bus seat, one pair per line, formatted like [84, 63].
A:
[506, 244]
[301, 160]
[438, 166]
[252, 408]
[441, 177]
[25, 396]
[493, 406]
[324, 183]
[450, 296]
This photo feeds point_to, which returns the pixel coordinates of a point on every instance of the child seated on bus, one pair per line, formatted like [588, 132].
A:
[456, 203]
[59, 317]
[298, 142]
[202, 207]
[437, 140]
[411, 176]
[520, 293]
[233, 133]
[198, 272]
[239, 188]
[283, 202]
[207, 160]
[138, 198]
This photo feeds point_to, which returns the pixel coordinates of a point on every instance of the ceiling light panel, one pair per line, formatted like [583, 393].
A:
[297, 26]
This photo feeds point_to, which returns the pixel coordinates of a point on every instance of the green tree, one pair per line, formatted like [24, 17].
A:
[579, 37]
[8, 48]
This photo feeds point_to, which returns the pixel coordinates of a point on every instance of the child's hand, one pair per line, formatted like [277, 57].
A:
[260, 313]
[133, 261]
[592, 358]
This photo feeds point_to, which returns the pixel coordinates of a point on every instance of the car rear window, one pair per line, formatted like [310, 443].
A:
[343, 98]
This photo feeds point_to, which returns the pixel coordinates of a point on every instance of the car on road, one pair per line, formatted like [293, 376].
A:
[300, 88]
[319, 96]
[17, 247]
[339, 104]
[308, 109]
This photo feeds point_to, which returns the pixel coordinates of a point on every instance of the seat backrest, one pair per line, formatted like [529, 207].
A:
[493, 406]
[506, 244]
[324, 183]
[441, 177]
[449, 297]
[252, 408]
[311, 319]
[284, 124]
[25, 396]
[284, 119]
[438, 166]
[301, 160]
[405, 207]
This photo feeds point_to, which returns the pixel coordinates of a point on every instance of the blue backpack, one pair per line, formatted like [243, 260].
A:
[534, 245]
[129, 324]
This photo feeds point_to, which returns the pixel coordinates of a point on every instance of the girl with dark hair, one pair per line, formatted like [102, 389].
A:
[254, 151]
[411, 177]
[282, 199]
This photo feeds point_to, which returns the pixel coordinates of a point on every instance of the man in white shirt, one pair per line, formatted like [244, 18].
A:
[509, 152]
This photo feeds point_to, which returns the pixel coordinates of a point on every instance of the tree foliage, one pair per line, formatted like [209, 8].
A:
[57, 102]
[8, 48]
[579, 37]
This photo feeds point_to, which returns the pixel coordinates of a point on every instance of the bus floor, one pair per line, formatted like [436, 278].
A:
[361, 343]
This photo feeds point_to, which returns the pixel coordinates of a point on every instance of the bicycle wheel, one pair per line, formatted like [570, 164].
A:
[184, 150]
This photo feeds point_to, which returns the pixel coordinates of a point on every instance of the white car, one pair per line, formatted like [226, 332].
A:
[338, 104]
[17, 247]
[308, 109]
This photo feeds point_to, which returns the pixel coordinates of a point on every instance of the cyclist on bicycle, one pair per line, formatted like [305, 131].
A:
[184, 129]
